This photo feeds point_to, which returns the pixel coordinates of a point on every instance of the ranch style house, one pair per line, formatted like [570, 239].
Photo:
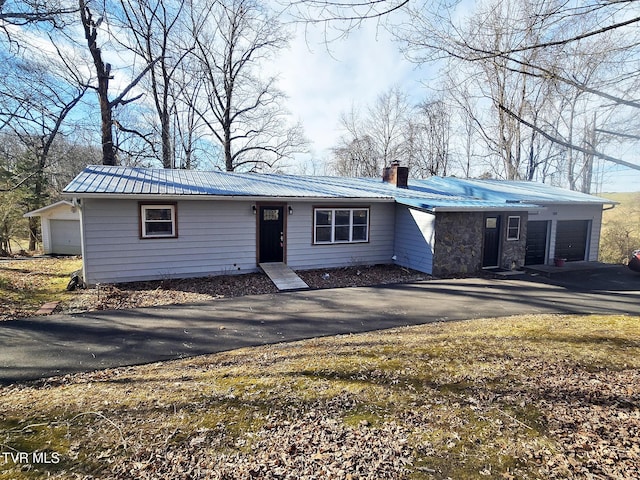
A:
[143, 224]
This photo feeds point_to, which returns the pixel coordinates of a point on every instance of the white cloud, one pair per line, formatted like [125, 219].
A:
[324, 81]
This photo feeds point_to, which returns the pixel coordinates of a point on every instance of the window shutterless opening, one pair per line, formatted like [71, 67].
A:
[340, 225]
[158, 221]
[513, 228]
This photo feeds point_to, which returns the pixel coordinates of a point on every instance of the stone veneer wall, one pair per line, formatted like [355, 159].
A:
[512, 252]
[458, 243]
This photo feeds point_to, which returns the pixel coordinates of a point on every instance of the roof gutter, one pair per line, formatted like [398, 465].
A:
[505, 208]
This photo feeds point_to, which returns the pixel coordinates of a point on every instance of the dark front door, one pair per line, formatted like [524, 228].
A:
[491, 241]
[536, 243]
[271, 230]
[571, 239]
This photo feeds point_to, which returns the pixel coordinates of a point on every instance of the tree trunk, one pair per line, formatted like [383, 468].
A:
[167, 157]
[587, 170]
[37, 195]
[228, 158]
[108, 153]
[33, 233]
[103, 71]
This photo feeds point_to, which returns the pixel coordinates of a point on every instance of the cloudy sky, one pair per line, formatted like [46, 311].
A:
[322, 84]
[324, 81]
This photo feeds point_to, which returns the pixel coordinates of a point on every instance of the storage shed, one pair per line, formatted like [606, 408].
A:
[60, 228]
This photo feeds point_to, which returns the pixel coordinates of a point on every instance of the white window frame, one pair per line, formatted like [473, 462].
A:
[511, 238]
[143, 220]
[333, 225]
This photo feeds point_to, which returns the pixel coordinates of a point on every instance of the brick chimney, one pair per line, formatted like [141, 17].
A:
[396, 175]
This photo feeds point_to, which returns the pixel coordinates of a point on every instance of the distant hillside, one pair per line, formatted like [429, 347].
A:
[620, 228]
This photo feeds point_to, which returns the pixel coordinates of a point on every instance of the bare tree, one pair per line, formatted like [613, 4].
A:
[37, 97]
[521, 53]
[154, 34]
[526, 50]
[376, 138]
[241, 105]
[90, 28]
[387, 118]
[430, 133]
[188, 129]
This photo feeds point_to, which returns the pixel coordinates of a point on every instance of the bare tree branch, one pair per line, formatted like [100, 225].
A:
[558, 141]
[241, 109]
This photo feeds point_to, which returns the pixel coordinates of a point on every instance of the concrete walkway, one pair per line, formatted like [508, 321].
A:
[283, 277]
[59, 344]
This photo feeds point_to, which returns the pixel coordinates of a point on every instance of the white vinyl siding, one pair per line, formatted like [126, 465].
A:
[414, 239]
[302, 253]
[215, 238]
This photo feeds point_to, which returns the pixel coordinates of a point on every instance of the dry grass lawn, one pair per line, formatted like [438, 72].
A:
[25, 285]
[512, 398]
[620, 228]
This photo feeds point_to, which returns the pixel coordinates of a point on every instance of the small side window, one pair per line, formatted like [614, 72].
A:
[158, 221]
[513, 228]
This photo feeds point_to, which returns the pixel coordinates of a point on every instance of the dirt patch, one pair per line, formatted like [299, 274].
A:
[172, 292]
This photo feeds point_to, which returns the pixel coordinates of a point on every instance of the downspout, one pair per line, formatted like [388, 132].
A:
[77, 205]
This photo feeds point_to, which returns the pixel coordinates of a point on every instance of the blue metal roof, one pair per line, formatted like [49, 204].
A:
[455, 204]
[101, 180]
[510, 191]
[434, 194]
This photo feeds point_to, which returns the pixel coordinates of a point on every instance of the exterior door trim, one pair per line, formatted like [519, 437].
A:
[259, 207]
[495, 233]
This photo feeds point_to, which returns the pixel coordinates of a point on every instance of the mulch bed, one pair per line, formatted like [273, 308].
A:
[176, 291]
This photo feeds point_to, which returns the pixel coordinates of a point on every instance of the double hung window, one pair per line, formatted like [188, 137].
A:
[340, 225]
[158, 221]
[513, 228]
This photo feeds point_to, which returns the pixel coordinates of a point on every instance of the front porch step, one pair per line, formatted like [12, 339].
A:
[283, 277]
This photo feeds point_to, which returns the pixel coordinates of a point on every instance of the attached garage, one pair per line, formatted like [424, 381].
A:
[60, 228]
[572, 237]
[537, 242]
[566, 226]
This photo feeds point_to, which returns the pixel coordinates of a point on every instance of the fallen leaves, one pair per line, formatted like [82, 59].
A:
[316, 445]
[596, 418]
[191, 290]
[553, 397]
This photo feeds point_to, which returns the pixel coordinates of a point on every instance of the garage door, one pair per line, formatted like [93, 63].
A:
[571, 239]
[536, 243]
[65, 237]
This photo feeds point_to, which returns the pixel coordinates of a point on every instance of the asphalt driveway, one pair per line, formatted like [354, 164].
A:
[59, 344]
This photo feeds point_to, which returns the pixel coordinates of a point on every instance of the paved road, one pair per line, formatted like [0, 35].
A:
[58, 344]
